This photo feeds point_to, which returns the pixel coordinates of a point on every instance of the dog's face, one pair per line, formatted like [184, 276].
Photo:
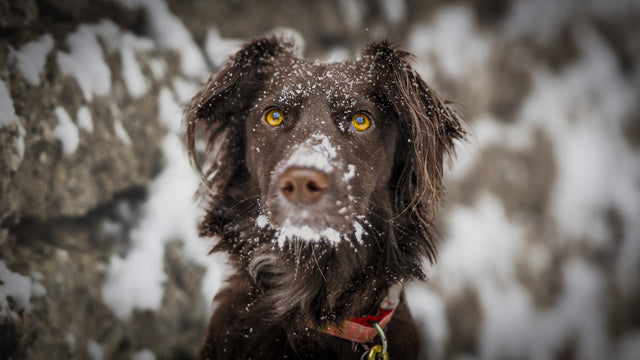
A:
[336, 153]
[320, 141]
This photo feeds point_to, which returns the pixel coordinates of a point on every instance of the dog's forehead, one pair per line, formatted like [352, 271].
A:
[295, 80]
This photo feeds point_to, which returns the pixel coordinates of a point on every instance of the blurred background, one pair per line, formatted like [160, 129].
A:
[99, 255]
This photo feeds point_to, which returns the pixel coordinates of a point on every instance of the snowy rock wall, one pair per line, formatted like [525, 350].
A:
[90, 123]
[99, 256]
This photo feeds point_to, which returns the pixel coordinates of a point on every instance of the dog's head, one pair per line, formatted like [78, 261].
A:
[323, 153]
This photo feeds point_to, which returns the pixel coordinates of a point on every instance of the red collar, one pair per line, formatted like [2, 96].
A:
[361, 329]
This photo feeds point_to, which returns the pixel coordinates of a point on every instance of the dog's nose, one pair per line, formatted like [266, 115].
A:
[303, 185]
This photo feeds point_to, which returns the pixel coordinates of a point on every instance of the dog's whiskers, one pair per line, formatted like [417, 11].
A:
[315, 259]
[242, 202]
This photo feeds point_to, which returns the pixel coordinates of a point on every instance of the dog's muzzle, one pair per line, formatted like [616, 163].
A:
[303, 185]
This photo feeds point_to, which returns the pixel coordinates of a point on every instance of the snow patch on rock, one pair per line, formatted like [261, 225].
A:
[85, 63]
[85, 120]
[219, 49]
[185, 90]
[482, 245]
[66, 131]
[7, 111]
[158, 68]
[429, 310]
[94, 350]
[145, 354]
[454, 41]
[352, 12]
[137, 84]
[135, 280]
[170, 33]
[8, 116]
[170, 112]
[121, 132]
[19, 288]
[31, 58]
[394, 10]
[583, 111]
[545, 19]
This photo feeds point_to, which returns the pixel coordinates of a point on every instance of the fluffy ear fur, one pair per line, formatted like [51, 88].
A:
[222, 104]
[428, 129]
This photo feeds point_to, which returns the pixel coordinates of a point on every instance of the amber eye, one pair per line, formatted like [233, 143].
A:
[273, 117]
[360, 122]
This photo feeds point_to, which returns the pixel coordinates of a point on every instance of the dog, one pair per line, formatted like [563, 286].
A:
[321, 186]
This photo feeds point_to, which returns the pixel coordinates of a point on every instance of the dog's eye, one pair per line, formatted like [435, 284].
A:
[273, 117]
[360, 122]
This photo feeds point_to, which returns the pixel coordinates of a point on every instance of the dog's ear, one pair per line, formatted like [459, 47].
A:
[428, 129]
[224, 102]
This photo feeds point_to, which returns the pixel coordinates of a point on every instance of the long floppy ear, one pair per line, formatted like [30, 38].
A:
[224, 102]
[428, 129]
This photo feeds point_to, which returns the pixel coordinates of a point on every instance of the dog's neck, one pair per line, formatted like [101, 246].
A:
[320, 284]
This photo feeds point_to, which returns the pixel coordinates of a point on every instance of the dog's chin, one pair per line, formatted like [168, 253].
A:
[307, 227]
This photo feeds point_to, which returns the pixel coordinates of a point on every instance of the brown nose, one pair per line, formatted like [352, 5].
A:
[303, 185]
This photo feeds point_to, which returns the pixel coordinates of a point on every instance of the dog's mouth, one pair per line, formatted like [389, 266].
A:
[308, 212]
[310, 198]
[297, 229]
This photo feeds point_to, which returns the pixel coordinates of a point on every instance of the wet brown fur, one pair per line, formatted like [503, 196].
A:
[278, 297]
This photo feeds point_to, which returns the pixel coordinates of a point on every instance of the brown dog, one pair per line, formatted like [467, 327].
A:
[323, 182]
